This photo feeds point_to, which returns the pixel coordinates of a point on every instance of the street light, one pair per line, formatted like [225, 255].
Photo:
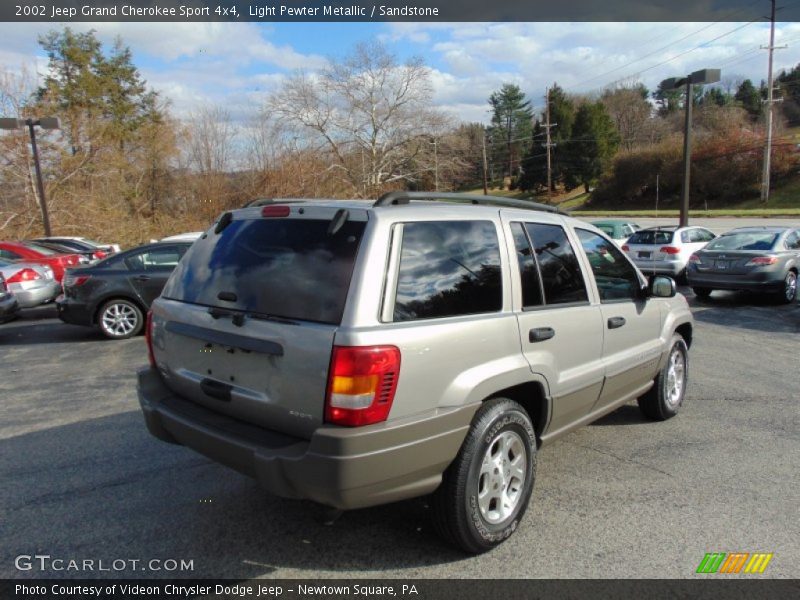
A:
[700, 77]
[45, 123]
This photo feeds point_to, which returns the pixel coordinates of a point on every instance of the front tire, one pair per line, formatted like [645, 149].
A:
[487, 488]
[701, 292]
[664, 399]
[120, 319]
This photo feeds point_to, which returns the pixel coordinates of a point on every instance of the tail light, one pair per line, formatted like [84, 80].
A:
[276, 211]
[361, 384]
[625, 247]
[694, 259]
[24, 275]
[75, 280]
[669, 250]
[148, 338]
[760, 261]
[99, 255]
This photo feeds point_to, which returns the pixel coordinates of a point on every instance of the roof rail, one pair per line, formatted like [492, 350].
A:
[398, 198]
[268, 201]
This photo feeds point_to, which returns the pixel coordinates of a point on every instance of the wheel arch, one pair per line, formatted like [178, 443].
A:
[533, 399]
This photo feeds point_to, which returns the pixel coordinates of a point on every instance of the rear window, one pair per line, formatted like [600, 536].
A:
[651, 237]
[761, 240]
[40, 249]
[289, 268]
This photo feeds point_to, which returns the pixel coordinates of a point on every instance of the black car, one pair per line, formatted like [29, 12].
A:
[756, 259]
[116, 293]
[9, 307]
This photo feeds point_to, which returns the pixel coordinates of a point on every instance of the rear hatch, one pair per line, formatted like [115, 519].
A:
[245, 325]
[646, 245]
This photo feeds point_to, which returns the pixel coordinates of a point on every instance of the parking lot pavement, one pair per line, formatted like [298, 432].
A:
[624, 497]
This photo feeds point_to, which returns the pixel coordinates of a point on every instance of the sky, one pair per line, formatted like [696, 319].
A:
[237, 65]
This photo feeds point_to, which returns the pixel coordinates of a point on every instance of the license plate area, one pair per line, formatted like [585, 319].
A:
[645, 254]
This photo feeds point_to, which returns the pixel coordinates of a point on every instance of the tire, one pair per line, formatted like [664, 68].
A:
[120, 319]
[499, 453]
[702, 292]
[664, 399]
[789, 292]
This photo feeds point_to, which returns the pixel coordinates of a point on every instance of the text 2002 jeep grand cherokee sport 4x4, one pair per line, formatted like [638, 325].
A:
[358, 353]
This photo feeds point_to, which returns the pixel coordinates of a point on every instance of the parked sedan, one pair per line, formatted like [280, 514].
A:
[82, 242]
[757, 259]
[9, 307]
[30, 252]
[31, 284]
[116, 293]
[618, 230]
[666, 250]
[87, 251]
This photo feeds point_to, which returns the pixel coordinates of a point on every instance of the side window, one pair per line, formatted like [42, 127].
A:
[793, 241]
[704, 235]
[528, 271]
[687, 237]
[615, 277]
[448, 268]
[9, 254]
[158, 259]
[562, 279]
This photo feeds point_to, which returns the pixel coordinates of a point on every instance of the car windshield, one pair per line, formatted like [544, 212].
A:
[750, 240]
[40, 249]
[651, 236]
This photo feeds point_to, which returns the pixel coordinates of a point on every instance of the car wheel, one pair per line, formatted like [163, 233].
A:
[702, 292]
[120, 319]
[664, 399]
[486, 490]
[789, 292]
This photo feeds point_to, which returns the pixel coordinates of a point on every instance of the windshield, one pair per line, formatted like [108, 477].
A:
[754, 240]
[290, 268]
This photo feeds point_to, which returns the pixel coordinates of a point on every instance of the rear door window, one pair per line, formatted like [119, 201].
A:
[561, 274]
[448, 269]
[288, 268]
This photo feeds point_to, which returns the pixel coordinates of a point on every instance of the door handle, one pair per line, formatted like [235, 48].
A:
[616, 322]
[216, 389]
[540, 334]
[142, 278]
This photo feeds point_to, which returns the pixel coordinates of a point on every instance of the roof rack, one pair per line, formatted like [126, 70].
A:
[399, 198]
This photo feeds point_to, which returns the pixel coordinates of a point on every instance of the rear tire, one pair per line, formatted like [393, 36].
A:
[664, 399]
[702, 292]
[487, 488]
[120, 319]
[789, 292]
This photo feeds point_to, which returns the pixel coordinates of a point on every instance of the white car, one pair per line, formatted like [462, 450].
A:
[666, 250]
[183, 237]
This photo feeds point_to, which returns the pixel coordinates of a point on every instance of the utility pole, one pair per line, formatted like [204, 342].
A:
[485, 168]
[765, 176]
[435, 165]
[39, 183]
[548, 143]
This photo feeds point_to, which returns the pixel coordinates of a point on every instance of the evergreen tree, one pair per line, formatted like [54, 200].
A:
[562, 115]
[749, 98]
[511, 124]
[594, 142]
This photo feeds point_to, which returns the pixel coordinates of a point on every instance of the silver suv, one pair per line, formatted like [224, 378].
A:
[358, 353]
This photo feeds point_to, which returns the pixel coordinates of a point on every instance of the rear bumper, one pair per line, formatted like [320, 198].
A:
[662, 267]
[35, 296]
[74, 313]
[340, 467]
[760, 282]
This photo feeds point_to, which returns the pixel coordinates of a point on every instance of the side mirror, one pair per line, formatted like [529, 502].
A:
[662, 287]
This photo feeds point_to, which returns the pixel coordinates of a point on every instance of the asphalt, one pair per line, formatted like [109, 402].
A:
[622, 498]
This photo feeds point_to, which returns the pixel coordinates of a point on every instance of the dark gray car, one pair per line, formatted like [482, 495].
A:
[755, 259]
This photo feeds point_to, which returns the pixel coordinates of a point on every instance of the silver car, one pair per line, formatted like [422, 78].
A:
[666, 250]
[32, 284]
[363, 352]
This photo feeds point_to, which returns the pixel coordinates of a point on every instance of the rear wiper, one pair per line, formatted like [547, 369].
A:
[238, 317]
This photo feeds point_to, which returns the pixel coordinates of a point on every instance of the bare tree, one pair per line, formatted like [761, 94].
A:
[631, 113]
[368, 112]
[210, 139]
